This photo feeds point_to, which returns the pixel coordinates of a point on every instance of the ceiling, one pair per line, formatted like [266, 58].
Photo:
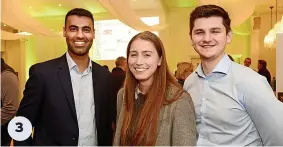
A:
[43, 8]
[181, 3]
[46, 11]
[46, 8]
[263, 6]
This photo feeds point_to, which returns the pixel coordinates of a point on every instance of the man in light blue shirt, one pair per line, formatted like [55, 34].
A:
[84, 102]
[234, 105]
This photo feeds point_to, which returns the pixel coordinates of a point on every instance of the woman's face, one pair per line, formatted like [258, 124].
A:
[143, 60]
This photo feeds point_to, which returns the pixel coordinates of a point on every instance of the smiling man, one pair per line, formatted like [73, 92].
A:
[65, 99]
[234, 105]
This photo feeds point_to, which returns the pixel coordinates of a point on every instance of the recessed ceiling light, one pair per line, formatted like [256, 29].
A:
[5, 25]
[150, 21]
[24, 33]
[60, 5]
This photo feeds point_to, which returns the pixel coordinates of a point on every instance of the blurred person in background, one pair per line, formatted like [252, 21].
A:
[184, 69]
[118, 76]
[9, 99]
[247, 62]
[262, 70]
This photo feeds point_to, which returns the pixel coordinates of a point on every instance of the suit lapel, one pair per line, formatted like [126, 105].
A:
[65, 79]
[96, 94]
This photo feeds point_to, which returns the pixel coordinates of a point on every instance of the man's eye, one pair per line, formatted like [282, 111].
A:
[73, 29]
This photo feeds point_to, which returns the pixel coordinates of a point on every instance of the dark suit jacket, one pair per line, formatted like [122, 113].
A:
[117, 81]
[48, 103]
[266, 73]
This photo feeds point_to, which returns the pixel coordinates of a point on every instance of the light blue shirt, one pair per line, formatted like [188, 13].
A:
[235, 106]
[84, 102]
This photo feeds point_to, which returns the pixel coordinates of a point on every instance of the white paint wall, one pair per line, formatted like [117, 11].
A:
[279, 61]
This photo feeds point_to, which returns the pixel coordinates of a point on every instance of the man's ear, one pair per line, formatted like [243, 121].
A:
[93, 37]
[229, 37]
[190, 40]
[64, 32]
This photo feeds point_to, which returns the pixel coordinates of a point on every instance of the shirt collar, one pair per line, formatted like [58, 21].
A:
[137, 91]
[72, 63]
[223, 66]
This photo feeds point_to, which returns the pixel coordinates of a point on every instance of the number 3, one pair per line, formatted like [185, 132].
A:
[20, 127]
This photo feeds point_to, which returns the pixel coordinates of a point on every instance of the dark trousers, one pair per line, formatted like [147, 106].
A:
[5, 137]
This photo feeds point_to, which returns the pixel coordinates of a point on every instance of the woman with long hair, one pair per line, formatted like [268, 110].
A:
[152, 108]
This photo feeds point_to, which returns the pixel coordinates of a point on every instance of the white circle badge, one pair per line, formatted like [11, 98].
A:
[19, 128]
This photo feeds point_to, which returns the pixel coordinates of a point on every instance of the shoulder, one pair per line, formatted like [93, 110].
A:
[117, 71]
[245, 75]
[249, 82]
[99, 70]
[183, 105]
[8, 78]
[8, 74]
[184, 97]
[46, 65]
[190, 81]
[120, 93]
[120, 99]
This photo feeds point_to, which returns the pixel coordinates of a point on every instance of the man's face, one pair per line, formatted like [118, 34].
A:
[247, 62]
[259, 66]
[124, 65]
[209, 38]
[79, 33]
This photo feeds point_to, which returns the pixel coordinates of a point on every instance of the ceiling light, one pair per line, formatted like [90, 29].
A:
[30, 7]
[150, 21]
[60, 5]
[5, 25]
[24, 33]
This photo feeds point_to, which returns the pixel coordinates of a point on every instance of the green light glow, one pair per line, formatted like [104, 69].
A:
[243, 29]
[182, 3]
[30, 55]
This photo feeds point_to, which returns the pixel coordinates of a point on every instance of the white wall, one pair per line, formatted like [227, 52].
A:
[265, 53]
[279, 61]
[177, 40]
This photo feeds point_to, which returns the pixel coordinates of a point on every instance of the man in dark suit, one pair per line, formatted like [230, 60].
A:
[118, 75]
[66, 99]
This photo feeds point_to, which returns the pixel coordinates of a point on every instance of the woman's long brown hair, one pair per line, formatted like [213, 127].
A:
[155, 97]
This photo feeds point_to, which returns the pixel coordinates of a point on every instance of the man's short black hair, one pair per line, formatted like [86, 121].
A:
[79, 12]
